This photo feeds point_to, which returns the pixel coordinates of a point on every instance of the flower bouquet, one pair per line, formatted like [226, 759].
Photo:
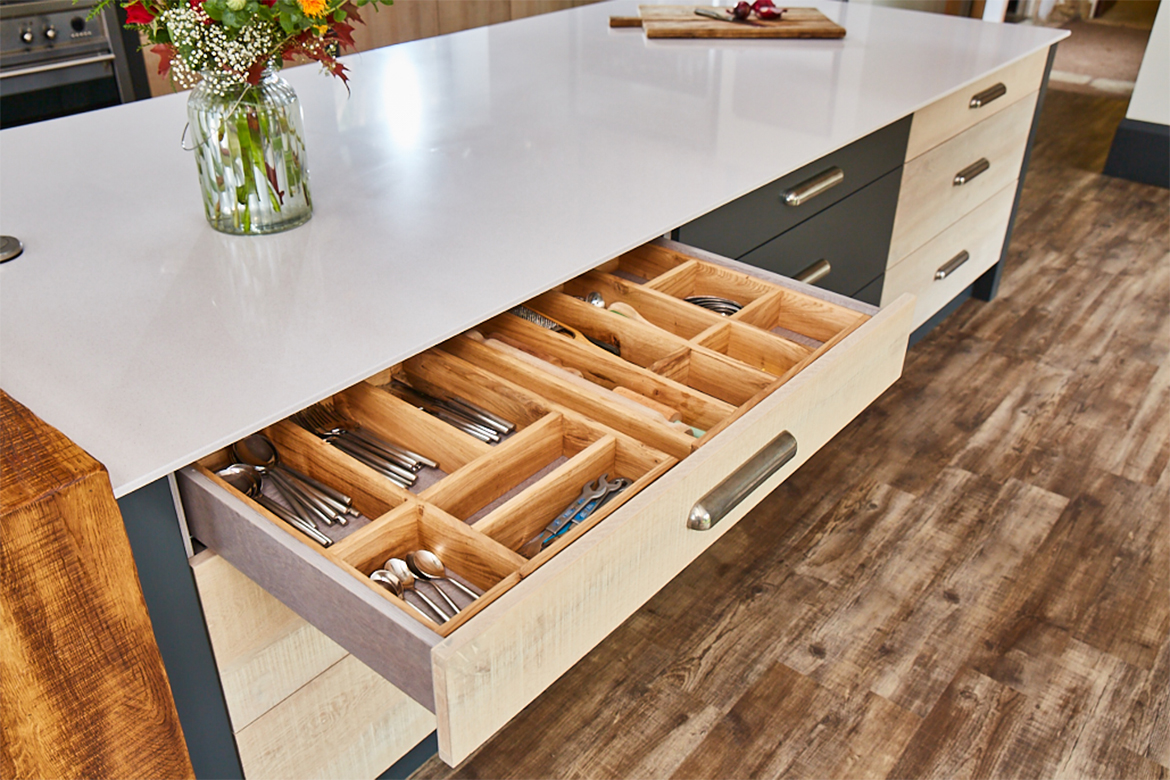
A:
[246, 124]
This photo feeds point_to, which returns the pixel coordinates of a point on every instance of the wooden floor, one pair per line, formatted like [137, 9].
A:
[972, 580]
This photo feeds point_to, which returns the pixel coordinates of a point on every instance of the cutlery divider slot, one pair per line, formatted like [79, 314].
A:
[806, 315]
[570, 393]
[646, 262]
[713, 374]
[438, 373]
[609, 371]
[661, 310]
[698, 278]
[486, 480]
[753, 347]
[640, 344]
[475, 559]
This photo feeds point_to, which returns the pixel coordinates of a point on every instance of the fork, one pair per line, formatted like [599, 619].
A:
[397, 463]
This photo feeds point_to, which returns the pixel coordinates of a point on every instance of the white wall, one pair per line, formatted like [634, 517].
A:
[1151, 93]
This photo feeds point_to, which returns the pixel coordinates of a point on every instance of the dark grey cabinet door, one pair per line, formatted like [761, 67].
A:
[853, 237]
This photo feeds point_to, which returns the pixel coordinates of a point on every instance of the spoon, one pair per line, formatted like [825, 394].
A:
[402, 572]
[412, 563]
[257, 450]
[247, 480]
[391, 583]
[428, 562]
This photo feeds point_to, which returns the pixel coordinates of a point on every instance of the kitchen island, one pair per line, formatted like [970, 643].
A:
[462, 175]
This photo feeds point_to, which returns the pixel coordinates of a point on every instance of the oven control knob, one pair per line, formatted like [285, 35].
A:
[50, 32]
[26, 35]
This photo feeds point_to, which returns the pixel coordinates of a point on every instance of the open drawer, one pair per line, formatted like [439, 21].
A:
[703, 413]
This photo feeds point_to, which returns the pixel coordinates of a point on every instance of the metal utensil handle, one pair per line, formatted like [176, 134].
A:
[302, 498]
[445, 597]
[807, 190]
[294, 520]
[320, 497]
[389, 447]
[717, 504]
[308, 494]
[320, 487]
[506, 426]
[971, 171]
[356, 448]
[994, 92]
[430, 604]
[815, 272]
[377, 464]
[952, 265]
[472, 594]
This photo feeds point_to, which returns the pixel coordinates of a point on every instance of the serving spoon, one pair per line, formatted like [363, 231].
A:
[412, 564]
[331, 505]
[391, 583]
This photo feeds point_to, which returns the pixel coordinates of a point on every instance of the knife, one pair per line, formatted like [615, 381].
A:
[711, 13]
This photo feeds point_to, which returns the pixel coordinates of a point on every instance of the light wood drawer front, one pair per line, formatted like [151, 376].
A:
[946, 118]
[980, 234]
[540, 615]
[488, 672]
[931, 200]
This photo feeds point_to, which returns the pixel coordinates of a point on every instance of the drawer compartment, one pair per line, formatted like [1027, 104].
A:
[941, 186]
[946, 118]
[948, 263]
[857, 230]
[541, 611]
[749, 221]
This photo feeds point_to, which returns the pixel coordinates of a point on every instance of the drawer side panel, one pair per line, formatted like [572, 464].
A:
[385, 639]
[497, 664]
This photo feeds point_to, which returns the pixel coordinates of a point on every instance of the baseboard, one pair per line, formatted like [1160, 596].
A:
[1141, 153]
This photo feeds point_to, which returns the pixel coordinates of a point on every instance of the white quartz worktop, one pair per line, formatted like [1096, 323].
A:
[463, 175]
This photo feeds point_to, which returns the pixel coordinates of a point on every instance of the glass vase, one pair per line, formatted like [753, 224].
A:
[250, 152]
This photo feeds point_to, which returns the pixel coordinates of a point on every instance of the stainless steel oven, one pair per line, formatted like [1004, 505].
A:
[55, 60]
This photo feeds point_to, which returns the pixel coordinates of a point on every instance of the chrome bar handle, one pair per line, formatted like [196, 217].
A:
[719, 503]
[11, 74]
[952, 265]
[815, 272]
[994, 92]
[807, 190]
[971, 171]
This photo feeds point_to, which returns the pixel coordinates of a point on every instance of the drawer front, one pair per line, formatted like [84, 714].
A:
[853, 237]
[487, 673]
[748, 222]
[480, 670]
[980, 235]
[932, 197]
[970, 105]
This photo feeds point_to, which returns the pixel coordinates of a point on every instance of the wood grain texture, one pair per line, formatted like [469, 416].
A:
[929, 200]
[951, 115]
[83, 691]
[971, 580]
[553, 617]
[680, 21]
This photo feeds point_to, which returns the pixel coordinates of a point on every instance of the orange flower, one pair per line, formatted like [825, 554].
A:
[313, 7]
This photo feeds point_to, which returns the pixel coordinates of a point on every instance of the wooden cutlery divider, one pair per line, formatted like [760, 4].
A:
[581, 413]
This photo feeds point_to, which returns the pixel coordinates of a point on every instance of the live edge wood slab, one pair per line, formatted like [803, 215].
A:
[83, 691]
[681, 21]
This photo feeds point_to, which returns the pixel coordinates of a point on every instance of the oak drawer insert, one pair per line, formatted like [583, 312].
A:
[792, 360]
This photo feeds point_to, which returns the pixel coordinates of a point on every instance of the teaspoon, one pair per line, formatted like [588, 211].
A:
[391, 583]
[426, 561]
[412, 564]
[402, 572]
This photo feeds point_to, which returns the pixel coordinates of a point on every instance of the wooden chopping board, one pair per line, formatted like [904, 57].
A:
[680, 21]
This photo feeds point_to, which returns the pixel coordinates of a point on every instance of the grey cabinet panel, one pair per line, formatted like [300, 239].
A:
[853, 236]
[747, 222]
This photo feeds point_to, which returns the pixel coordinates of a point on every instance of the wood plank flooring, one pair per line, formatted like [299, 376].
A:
[971, 581]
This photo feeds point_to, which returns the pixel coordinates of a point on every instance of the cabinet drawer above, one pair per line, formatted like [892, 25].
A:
[946, 118]
[792, 360]
[749, 221]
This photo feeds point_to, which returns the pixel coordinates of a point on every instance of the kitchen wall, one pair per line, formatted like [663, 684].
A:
[1151, 93]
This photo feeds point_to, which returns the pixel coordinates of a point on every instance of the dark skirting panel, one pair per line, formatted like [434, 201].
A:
[1141, 153]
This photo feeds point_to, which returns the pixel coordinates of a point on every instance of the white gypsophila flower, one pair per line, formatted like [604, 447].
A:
[203, 46]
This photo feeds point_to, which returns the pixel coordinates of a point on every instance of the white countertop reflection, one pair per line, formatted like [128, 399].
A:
[462, 175]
